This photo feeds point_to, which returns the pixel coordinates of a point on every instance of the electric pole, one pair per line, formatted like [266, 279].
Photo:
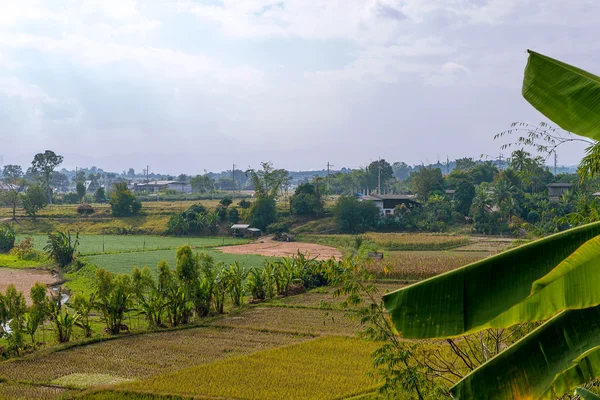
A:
[147, 174]
[555, 162]
[328, 180]
[447, 165]
[233, 178]
[500, 157]
[379, 176]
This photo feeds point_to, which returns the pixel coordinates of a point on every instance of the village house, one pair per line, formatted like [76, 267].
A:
[556, 190]
[158, 186]
[388, 202]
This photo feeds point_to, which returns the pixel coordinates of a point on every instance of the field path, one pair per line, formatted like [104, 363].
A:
[272, 248]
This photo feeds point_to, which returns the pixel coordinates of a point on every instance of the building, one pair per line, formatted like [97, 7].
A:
[556, 190]
[387, 202]
[158, 186]
[244, 230]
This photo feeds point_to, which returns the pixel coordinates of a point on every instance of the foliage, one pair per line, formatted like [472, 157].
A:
[263, 212]
[33, 200]
[267, 181]
[62, 320]
[80, 190]
[427, 180]
[355, 216]
[193, 221]
[11, 198]
[62, 247]
[100, 195]
[83, 306]
[25, 250]
[233, 215]
[123, 202]
[244, 204]
[44, 164]
[307, 199]
[7, 238]
[113, 294]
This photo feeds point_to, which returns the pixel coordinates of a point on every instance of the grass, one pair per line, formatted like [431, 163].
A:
[124, 395]
[142, 356]
[325, 368]
[10, 261]
[124, 262]
[417, 265]
[94, 244]
[415, 241]
[83, 381]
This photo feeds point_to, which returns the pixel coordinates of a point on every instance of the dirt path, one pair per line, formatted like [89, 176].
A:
[272, 248]
[24, 279]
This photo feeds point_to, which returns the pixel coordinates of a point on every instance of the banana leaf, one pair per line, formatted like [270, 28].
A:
[584, 369]
[567, 95]
[586, 394]
[468, 298]
[527, 369]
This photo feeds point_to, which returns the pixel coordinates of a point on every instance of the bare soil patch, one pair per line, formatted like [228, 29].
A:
[271, 248]
[24, 279]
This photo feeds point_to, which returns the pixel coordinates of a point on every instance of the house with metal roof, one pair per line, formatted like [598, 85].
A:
[388, 202]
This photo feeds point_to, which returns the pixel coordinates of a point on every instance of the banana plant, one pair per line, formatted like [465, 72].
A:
[553, 281]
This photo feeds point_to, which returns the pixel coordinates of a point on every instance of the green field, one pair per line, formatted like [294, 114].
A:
[93, 244]
[124, 262]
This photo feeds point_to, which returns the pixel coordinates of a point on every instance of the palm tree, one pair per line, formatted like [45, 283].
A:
[482, 202]
[502, 194]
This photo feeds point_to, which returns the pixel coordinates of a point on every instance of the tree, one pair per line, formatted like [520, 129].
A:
[33, 200]
[44, 164]
[306, 200]
[100, 195]
[465, 191]
[113, 298]
[12, 172]
[379, 171]
[59, 181]
[11, 198]
[551, 282]
[62, 247]
[263, 212]
[465, 164]
[202, 183]
[401, 170]
[355, 216]
[80, 188]
[427, 180]
[268, 180]
[123, 202]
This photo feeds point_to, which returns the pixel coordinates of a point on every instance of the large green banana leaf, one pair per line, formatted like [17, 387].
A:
[469, 298]
[528, 369]
[569, 96]
[586, 394]
[584, 369]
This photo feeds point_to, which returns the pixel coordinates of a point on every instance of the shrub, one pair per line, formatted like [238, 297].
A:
[7, 238]
[85, 209]
[70, 198]
[100, 195]
[233, 215]
[123, 202]
[263, 212]
[356, 216]
[226, 202]
[244, 204]
[24, 249]
[34, 200]
[278, 227]
[61, 247]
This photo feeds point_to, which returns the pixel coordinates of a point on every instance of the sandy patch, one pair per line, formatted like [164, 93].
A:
[24, 279]
[272, 248]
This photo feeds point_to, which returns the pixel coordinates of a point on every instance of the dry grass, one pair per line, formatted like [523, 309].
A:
[418, 265]
[300, 320]
[144, 355]
[327, 368]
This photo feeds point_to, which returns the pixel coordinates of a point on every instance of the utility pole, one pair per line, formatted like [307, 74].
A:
[379, 176]
[447, 165]
[500, 157]
[555, 162]
[147, 173]
[328, 180]
[233, 179]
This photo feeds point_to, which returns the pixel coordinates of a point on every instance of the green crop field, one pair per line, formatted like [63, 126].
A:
[124, 262]
[328, 368]
[92, 244]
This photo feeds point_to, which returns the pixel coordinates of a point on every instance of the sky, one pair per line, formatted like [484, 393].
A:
[194, 85]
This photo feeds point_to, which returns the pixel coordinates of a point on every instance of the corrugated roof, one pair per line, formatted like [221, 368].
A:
[379, 197]
[559, 184]
[254, 229]
[239, 226]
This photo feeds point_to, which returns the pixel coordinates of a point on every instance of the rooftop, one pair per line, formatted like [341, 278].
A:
[240, 226]
[380, 197]
[560, 185]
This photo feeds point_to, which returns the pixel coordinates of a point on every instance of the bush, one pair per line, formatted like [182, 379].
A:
[263, 212]
[7, 238]
[61, 247]
[233, 215]
[85, 209]
[278, 227]
[24, 249]
[123, 202]
[70, 198]
[226, 202]
[244, 204]
[356, 216]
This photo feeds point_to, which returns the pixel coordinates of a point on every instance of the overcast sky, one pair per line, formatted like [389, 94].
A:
[186, 86]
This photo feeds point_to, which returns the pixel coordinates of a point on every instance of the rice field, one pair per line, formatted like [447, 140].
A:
[124, 262]
[412, 241]
[294, 320]
[326, 368]
[417, 265]
[21, 391]
[141, 356]
[98, 244]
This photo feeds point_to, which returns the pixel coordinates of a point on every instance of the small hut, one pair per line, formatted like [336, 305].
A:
[239, 230]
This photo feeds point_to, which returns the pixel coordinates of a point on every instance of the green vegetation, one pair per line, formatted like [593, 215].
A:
[311, 370]
[123, 202]
[7, 238]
